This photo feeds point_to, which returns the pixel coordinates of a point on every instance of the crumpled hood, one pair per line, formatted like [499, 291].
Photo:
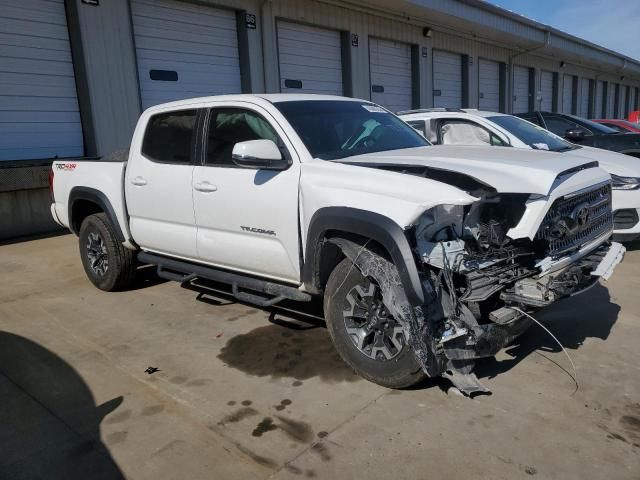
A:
[612, 162]
[508, 170]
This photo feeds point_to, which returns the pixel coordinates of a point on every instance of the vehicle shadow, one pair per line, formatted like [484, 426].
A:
[572, 321]
[49, 421]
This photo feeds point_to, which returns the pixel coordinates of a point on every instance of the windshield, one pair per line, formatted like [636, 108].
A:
[334, 129]
[533, 135]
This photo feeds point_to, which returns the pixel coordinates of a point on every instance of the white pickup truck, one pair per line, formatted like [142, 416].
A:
[427, 256]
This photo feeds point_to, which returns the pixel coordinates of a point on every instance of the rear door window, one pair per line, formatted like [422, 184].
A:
[169, 137]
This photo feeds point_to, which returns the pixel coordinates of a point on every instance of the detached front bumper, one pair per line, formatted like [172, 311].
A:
[580, 275]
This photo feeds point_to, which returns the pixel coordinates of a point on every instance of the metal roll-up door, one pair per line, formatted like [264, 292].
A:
[622, 101]
[583, 111]
[521, 89]
[184, 50]
[546, 89]
[310, 59]
[390, 66]
[447, 79]
[599, 99]
[567, 93]
[488, 85]
[611, 100]
[39, 113]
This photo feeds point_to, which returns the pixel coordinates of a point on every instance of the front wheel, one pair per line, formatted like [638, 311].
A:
[108, 264]
[364, 333]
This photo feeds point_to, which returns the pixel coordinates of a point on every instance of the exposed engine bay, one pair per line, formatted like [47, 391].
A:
[480, 284]
[484, 281]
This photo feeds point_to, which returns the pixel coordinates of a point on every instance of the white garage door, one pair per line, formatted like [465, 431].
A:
[611, 100]
[567, 93]
[39, 115]
[521, 90]
[310, 59]
[623, 101]
[599, 98]
[390, 66]
[546, 89]
[488, 85]
[447, 79]
[583, 111]
[184, 50]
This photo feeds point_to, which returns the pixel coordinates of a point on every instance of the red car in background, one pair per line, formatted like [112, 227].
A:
[623, 126]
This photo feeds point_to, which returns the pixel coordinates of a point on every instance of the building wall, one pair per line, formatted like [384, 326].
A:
[104, 58]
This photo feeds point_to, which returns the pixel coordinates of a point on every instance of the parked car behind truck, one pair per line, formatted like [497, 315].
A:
[422, 253]
[476, 127]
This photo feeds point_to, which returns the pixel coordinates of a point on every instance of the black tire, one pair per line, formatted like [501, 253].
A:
[401, 371]
[120, 269]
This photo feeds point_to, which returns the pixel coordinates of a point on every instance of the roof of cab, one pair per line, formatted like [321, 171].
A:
[269, 97]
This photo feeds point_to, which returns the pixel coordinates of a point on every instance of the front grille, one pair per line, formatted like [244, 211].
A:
[574, 220]
[625, 218]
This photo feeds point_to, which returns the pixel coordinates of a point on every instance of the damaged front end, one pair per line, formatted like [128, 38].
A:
[480, 284]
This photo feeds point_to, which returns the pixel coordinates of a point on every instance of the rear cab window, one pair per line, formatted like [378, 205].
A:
[169, 137]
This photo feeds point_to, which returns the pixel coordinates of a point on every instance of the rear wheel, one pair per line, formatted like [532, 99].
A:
[365, 334]
[108, 264]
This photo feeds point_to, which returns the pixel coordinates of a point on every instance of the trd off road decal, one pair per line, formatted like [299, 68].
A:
[66, 166]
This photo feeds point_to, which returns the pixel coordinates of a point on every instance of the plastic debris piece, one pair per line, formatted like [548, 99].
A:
[151, 370]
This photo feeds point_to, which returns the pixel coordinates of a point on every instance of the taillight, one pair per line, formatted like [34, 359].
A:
[52, 198]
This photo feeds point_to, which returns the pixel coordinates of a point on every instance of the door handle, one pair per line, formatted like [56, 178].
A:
[139, 182]
[205, 187]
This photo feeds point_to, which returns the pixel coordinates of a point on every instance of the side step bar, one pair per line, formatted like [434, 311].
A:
[182, 271]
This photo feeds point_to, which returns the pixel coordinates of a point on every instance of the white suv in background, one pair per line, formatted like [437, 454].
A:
[475, 127]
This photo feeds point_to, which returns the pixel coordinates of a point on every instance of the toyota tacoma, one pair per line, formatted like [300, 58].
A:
[427, 257]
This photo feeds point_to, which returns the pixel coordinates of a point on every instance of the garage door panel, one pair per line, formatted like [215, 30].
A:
[22, 40]
[521, 91]
[488, 85]
[390, 68]
[152, 58]
[447, 79]
[38, 97]
[584, 98]
[311, 55]
[199, 43]
[546, 88]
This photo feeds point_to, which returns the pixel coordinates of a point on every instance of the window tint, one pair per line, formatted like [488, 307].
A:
[533, 135]
[333, 129]
[168, 137]
[418, 126]
[615, 127]
[559, 125]
[228, 126]
[531, 117]
[462, 132]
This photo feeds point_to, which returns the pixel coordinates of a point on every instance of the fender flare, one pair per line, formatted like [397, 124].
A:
[100, 199]
[367, 224]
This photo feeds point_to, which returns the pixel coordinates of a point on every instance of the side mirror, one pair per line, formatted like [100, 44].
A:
[575, 134]
[259, 154]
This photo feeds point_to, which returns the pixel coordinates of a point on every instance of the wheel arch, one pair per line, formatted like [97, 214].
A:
[360, 226]
[85, 201]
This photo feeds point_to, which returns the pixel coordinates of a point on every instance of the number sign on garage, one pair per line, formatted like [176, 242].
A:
[447, 79]
[488, 85]
[391, 74]
[310, 59]
[184, 50]
[39, 113]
